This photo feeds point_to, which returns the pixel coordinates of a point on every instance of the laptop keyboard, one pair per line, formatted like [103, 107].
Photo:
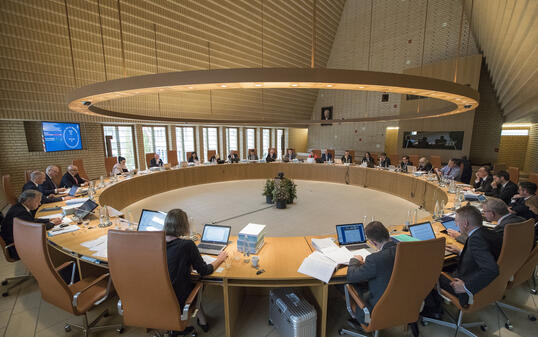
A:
[357, 246]
[209, 246]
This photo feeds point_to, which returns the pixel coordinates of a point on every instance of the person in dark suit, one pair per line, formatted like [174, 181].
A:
[503, 188]
[424, 165]
[290, 156]
[233, 157]
[368, 160]
[252, 155]
[477, 265]
[404, 163]
[72, 178]
[518, 207]
[466, 171]
[532, 203]
[327, 156]
[376, 269]
[28, 202]
[193, 158]
[37, 178]
[271, 156]
[156, 161]
[483, 180]
[182, 256]
[346, 158]
[48, 187]
[384, 161]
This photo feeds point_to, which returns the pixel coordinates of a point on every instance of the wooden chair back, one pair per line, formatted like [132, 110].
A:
[8, 189]
[526, 272]
[5, 249]
[409, 284]
[514, 174]
[414, 159]
[533, 178]
[172, 157]
[435, 161]
[149, 156]
[395, 159]
[109, 164]
[79, 163]
[150, 301]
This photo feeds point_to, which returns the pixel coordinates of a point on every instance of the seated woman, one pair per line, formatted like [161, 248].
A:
[120, 166]
[368, 160]
[193, 158]
[183, 256]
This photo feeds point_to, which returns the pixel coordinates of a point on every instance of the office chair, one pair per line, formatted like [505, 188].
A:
[517, 243]
[17, 279]
[76, 298]
[435, 161]
[109, 164]
[149, 156]
[139, 270]
[411, 280]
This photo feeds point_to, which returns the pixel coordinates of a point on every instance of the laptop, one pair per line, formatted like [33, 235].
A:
[214, 239]
[338, 161]
[351, 236]
[424, 231]
[73, 191]
[151, 221]
[85, 209]
[450, 224]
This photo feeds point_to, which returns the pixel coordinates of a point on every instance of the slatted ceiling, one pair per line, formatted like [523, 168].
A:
[507, 33]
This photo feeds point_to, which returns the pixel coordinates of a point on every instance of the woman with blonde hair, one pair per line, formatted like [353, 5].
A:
[182, 257]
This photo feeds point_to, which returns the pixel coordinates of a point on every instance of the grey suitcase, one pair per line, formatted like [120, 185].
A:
[291, 314]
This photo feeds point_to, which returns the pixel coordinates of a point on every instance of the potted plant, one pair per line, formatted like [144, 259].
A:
[292, 189]
[268, 190]
[281, 194]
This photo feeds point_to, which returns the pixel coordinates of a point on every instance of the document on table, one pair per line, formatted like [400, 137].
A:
[340, 255]
[76, 201]
[57, 230]
[99, 246]
[318, 266]
[208, 259]
[362, 252]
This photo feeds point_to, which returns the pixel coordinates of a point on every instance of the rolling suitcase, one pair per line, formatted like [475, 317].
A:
[291, 314]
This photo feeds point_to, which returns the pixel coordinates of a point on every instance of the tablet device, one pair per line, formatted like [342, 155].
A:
[85, 209]
[451, 224]
[422, 231]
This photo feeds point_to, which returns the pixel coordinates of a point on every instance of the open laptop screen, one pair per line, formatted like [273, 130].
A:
[86, 208]
[151, 221]
[451, 224]
[350, 233]
[422, 231]
[216, 234]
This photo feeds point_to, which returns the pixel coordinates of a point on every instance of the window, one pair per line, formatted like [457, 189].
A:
[279, 142]
[184, 141]
[231, 140]
[251, 139]
[155, 141]
[122, 143]
[266, 141]
[210, 140]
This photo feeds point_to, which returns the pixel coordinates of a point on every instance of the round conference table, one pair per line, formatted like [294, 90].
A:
[280, 257]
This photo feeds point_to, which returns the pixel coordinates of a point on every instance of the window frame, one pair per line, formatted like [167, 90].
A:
[117, 141]
[165, 159]
[183, 150]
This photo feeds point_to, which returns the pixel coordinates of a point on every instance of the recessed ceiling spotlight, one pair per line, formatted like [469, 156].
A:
[361, 87]
[190, 87]
[444, 24]
[408, 62]
[329, 85]
[294, 85]
[258, 85]
[223, 86]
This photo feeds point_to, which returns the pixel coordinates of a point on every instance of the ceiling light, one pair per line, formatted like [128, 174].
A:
[329, 85]
[294, 85]
[258, 85]
[223, 85]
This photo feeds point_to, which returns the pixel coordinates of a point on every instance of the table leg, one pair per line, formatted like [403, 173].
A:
[233, 299]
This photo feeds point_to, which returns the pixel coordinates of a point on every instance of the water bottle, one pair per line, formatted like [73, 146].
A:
[104, 219]
[364, 220]
[408, 221]
[415, 216]
[101, 182]
[436, 210]
[442, 209]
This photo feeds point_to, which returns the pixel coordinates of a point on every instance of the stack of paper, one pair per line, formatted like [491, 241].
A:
[76, 201]
[318, 266]
[340, 255]
[99, 246]
[51, 216]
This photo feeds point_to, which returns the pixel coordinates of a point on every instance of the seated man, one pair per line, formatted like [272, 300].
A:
[290, 155]
[326, 156]
[532, 203]
[193, 158]
[424, 165]
[346, 158]
[48, 187]
[155, 161]
[376, 269]
[37, 178]
[404, 163]
[483, 180]
[271, 156]
[252, 155]
[384, 161]
[72, 178]
[28, 202]
[451, 170]
[527, 189]
[233, 157]
[477, 265]
[466, 171]
[502, 187]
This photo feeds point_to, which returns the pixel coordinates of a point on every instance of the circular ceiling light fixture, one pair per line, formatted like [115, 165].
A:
[460, 98]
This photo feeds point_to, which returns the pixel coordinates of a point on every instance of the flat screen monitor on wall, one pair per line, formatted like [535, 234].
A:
[442, 140]
[61, 136]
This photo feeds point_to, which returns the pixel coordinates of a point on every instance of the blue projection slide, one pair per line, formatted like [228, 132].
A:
[61, 136]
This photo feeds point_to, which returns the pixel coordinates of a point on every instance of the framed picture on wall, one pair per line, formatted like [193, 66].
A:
[326, 115]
